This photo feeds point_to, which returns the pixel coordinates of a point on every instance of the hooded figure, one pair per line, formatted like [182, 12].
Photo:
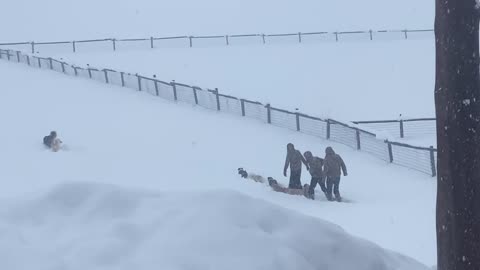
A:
[316, 171]
[48, 140]
[51, 141]
[333, 166]
[294, 160]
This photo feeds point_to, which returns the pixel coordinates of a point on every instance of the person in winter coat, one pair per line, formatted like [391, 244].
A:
[316, 171]
[333, 166]
[294, 160]
[52, 141]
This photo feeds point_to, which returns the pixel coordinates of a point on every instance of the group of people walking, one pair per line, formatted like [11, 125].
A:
[326, 172]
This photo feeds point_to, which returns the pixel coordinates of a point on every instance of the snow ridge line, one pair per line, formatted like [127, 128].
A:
[422, 159]
[298, 37]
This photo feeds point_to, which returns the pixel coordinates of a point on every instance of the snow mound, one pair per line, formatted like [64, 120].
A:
[95, 226]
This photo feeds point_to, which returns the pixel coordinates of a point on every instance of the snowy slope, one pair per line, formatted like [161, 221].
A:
[92, 226]
[346, 81]
[356, 81]
[68, 20]
[119, 136]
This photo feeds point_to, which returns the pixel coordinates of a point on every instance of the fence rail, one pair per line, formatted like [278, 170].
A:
[222, 40]
[403, 127]
[418, 158]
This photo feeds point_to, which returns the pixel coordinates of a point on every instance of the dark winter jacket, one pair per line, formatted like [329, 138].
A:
[316, 167]
[294, 160]
[48, 140]
[333, 164]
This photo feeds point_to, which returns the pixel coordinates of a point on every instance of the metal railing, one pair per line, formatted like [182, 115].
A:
[403, 127]
[417, 158]
[215, 40]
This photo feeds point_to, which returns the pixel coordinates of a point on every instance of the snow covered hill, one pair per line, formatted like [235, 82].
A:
[134, 140]
[353, 81]
[347, 81]
[143, 181]
[84, 225]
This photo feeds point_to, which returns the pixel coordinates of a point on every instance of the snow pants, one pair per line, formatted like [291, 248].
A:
[295, 181]
[313, 183]
[333, 182]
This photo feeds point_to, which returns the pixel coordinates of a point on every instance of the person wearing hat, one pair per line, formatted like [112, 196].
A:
[294, 160]
[333, 166]
[316, 171]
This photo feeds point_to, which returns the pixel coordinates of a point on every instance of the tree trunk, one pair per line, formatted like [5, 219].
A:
[457, 102]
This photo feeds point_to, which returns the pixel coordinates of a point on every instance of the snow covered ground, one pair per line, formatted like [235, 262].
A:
[94, 226]
[345, 81]
[173, 160]
[135, 140]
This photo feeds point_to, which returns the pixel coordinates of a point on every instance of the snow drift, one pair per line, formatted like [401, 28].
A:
[82, 225]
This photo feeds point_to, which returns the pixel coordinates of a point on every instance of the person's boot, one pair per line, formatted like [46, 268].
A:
[338, 198]
[329, 196]
[311, 195]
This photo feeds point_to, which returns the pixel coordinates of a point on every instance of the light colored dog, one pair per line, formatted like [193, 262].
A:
[56, 144]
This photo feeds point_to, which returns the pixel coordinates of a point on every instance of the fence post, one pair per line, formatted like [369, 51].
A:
[191, 41]
[39, 63]
[432, 161]
[297, 116]
[106, 76]
[155, 82]
[63, 67]
[405, 31]
[174, 88]
[269, 113]
[18, 56]
[299, 37]
[401, 129]
[151, 42]
[217, 98]
[28, 59]
[89, 72]
[74, 47]
[114, 44]
[195, 95]
[328, 129]
[8, 55]
[263, 38]
[336, 36]
[226, 40]
[75, 70]
[371, 34]
[357, 131]
[123, 78]
[51, 62]
[139, 82]
[33, 47]
[242, 103]
[390, 151]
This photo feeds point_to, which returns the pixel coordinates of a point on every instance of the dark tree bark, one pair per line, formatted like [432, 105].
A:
[457, 102]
